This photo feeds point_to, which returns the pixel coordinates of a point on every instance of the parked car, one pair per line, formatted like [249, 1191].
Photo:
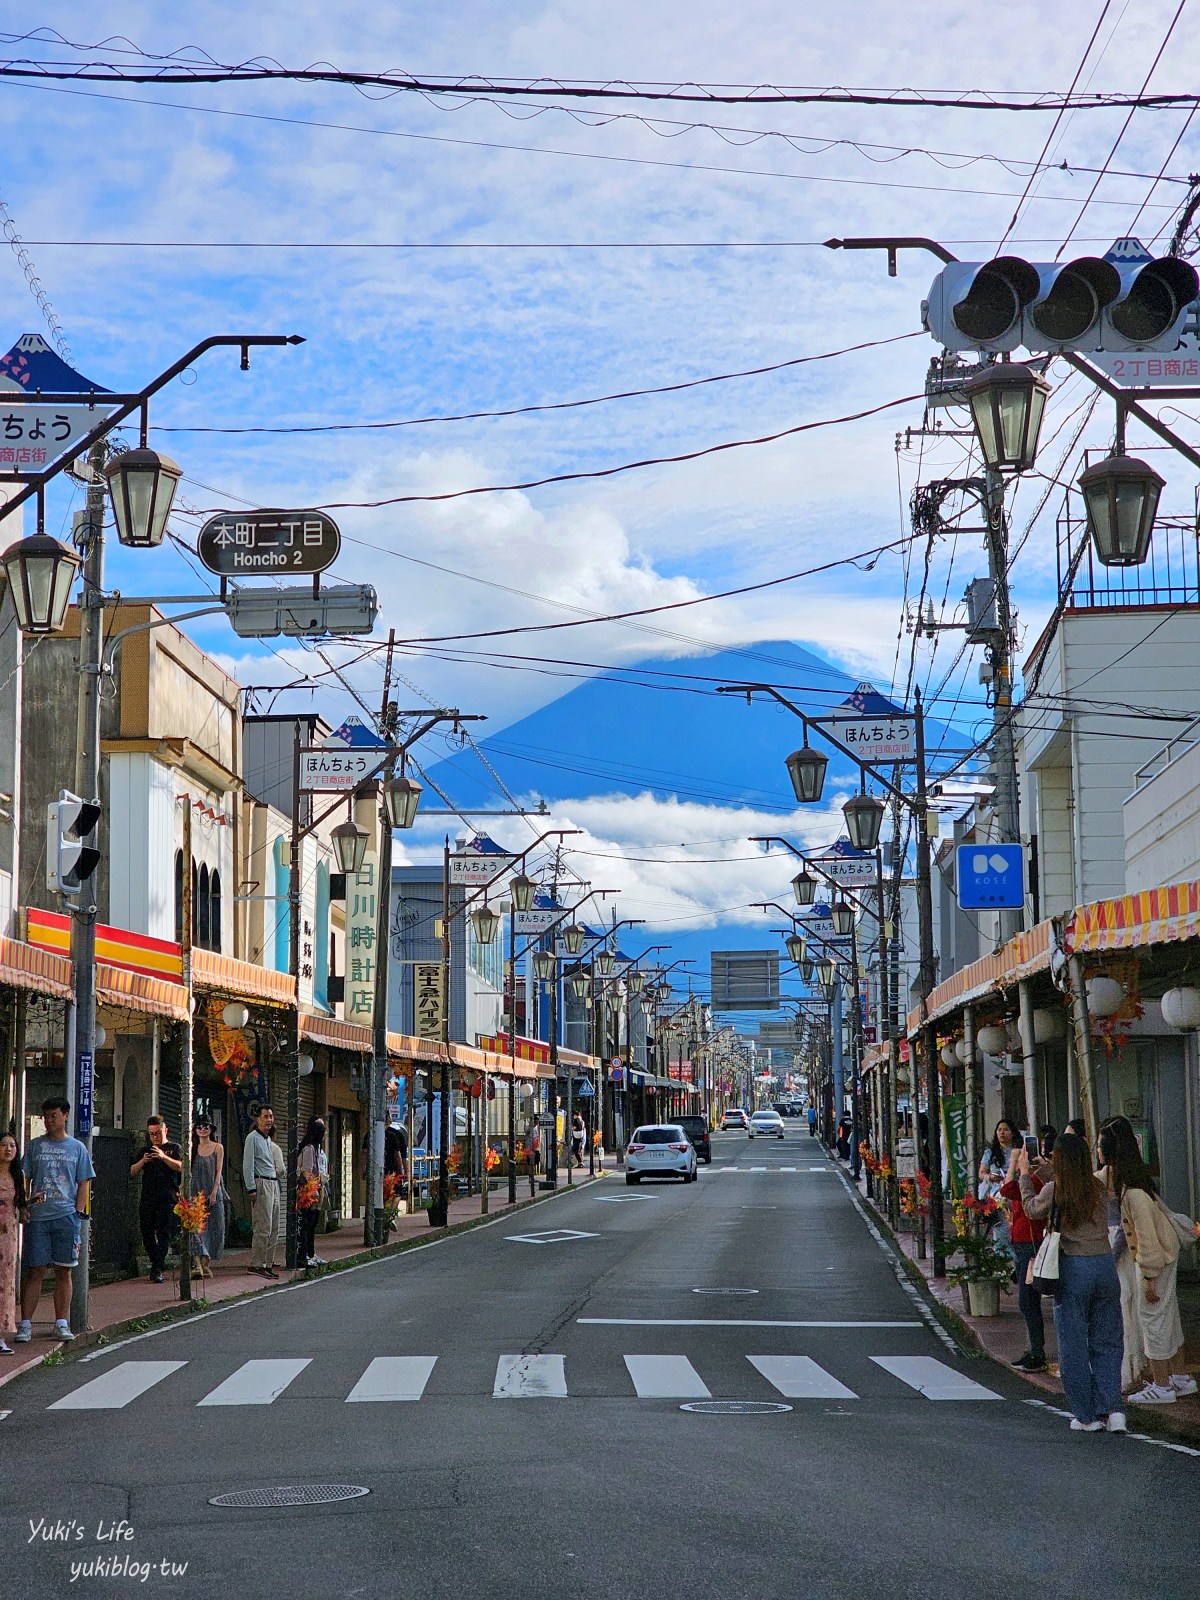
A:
[736, 1117]
[696, 1129]
[767, 1125]
[660, 1150]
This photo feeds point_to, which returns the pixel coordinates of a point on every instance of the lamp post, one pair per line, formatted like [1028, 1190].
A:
[610, 961]
[917, 803]
[40, 572]
[1007, 401]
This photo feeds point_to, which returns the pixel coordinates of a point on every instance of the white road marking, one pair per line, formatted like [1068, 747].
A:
[393, 1378]
[256, 1383]
[666, 1378]
[530, 1378]
[818, 1169]
[934, 1379]
[118, 1387]
[551, 1236]
[4, 1414]
[800, 1378]
[758, 1169]
[1142, 1438]
[724, 1322]
[787, 1169]
[622, 1199]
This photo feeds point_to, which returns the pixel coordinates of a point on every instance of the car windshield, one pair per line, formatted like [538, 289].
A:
[765, 1116]
[657, 1135]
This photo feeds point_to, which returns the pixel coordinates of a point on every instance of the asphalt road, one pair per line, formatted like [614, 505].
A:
[515, 1410]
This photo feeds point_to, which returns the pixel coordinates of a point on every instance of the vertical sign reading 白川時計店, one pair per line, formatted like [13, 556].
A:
[362, 907]
[427, 999]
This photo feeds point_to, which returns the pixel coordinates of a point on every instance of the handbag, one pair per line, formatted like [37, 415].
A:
[1042, 1273]
[1181, 1223]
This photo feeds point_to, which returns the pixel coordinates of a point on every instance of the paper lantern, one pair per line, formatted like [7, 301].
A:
[1048, 1024]
[1105, 996]
[1181, 1009]
[993, 1039]
[948, 1055]
[962, 1053]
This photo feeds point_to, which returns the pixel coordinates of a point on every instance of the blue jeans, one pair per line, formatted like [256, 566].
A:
[1029, 1302]
[1087, 1315]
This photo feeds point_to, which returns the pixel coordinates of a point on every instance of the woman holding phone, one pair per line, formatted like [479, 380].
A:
[1087, 1307]
[1027, 1234]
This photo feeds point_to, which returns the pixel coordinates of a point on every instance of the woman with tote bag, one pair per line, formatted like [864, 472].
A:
[1087, 1306]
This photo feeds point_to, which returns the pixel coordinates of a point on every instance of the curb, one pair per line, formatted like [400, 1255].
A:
[61, 1353]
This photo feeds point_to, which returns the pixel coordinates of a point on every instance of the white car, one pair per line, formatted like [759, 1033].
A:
[660, 1150]
[735, 1117]
[768, 1124]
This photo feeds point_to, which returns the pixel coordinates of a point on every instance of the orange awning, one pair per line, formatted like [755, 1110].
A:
[242, 979]
[156, 997]
[336, 1035]
[24, 967]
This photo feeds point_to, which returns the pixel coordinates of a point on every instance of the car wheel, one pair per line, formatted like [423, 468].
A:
[708, 1159]
[632, 1178]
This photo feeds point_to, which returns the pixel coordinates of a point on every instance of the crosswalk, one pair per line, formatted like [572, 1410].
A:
[261, 1382]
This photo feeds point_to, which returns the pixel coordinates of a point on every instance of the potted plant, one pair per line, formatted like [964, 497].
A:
[984, 1270]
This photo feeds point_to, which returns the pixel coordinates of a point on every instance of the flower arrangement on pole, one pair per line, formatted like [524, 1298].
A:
[981, 1261]
[308, 1192]
[192, 1214]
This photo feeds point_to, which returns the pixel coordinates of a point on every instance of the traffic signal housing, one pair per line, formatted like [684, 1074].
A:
[70, 862]
[1125, 300]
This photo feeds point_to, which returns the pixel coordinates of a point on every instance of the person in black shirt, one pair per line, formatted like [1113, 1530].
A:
[159, 1164]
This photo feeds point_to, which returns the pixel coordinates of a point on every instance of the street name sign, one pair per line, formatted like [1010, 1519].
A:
[872, 728]
[337, 771]
[853, 869]
[238, 544]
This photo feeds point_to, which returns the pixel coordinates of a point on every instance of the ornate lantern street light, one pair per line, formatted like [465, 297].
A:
[1120, 496]
[349, 847]
[806, 768]
[797, 947]
[635, 978]
[804, 887]
[606, 963]
[40, 573]
[864, 818]
[573, 937]
[401, 797]
[545, 965]
[1008, 400]
[485, 922]
[142, 486]
[522, 889]
[842, 916]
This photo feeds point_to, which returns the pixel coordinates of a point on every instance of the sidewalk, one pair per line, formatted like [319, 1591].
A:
[1004, 1338]
[112, 1307]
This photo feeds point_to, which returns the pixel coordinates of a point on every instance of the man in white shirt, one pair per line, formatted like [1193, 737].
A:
[262, 1185]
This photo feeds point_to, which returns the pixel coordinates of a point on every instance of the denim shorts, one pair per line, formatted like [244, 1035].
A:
[52, 1241]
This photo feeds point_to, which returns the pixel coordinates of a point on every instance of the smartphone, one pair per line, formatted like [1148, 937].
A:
[1031, 1147]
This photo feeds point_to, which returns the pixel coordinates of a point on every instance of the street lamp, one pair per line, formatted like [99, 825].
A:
[545, 964]
[797, 947]
[40, 573]
[806, 768]
[634, 981]
[142, 486]
[825, 969]
[484, 921]
[1120, 496]
[580, 983]
[522, 889]
[864, 818]
[806, 969]
[573, 937]
[606, 963]
[841, 914]
[401, 797]
[349, 847]
[804, 887]
[1007, 401]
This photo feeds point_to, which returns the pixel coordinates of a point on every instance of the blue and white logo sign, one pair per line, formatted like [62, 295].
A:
[991, 876]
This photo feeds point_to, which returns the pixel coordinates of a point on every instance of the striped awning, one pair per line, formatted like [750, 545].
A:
[23, 966]
[155, 997]
[242, 979]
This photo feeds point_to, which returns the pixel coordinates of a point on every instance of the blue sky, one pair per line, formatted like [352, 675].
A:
[148, 209]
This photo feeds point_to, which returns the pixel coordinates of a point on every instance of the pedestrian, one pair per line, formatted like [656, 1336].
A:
[261, 1181]
[59, 1173]
[208, 1179]
[1087, 1305]
[812, 1122]
[598, 1148]
[1154, 1246]
[159, 1166]
[13, 1212]
[1026, 1234]
[311, 1164]
[1047, 1134]
[994, 1173]
[1078, 1127]
[578, 1138]
[1133, 1362]
[845, 1133]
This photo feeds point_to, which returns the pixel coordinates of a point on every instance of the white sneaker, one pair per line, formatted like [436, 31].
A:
[1086, 1427]
[1183, 1383]
[1154, 1395]
[62, 1329]
[24, 1331]
[1116, 1422]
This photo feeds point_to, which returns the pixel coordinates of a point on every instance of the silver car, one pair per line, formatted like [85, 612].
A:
[767, 1124]
[660, 1150]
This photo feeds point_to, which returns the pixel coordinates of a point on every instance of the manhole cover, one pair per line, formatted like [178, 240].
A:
[724, 1291]
[734, 1408]
[306, 1494]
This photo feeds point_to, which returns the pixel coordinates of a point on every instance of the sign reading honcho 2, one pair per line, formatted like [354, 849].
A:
[236, 544]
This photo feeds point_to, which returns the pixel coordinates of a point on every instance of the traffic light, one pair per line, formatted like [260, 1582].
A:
[1124, 300]
[69, 861]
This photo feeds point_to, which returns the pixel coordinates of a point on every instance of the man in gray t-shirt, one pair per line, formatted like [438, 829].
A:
[59, 1172]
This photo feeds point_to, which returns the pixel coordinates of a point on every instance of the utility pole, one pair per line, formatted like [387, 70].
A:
[1004, 754]
[291, 1222]
[373, 1233]
[87, 786]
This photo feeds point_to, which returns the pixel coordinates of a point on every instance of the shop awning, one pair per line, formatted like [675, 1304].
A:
[242, 979]
[155, 997]
[22, 966]
[1153, 916]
